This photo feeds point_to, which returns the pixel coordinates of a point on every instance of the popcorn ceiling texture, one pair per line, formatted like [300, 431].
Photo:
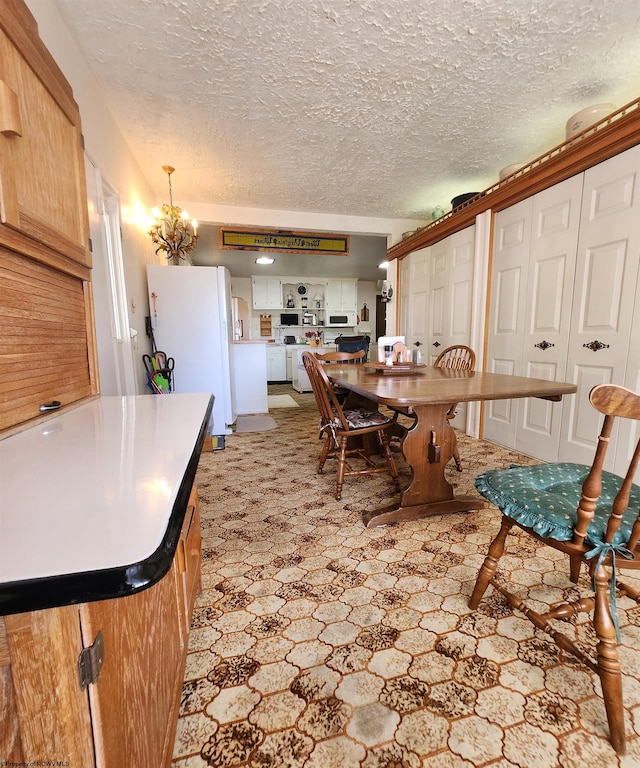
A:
[381, 108]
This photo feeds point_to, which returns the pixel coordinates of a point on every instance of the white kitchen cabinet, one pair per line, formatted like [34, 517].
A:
[276, 362]
[267, 292]
[250, 377]
[341, 294]
[292, 360]
[301, 382]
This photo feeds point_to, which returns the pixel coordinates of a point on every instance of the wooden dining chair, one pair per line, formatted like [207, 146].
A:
[459, 358]
[341, 357]
[593, 517]
[349, 358]
[338, 426]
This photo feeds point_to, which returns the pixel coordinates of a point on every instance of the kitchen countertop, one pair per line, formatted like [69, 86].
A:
[92, 501]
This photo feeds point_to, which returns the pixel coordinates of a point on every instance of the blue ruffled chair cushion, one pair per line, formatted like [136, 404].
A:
[545, 497]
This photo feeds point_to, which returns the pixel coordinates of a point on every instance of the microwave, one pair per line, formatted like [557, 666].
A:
[341, 319]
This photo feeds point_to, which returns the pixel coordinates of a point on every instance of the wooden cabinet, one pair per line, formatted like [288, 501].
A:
[47, 349]
[127, 717]
[41, 156]
[341, 294]
[266, 325]
[267, 292]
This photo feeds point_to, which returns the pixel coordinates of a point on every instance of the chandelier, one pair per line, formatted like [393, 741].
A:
[172, 232]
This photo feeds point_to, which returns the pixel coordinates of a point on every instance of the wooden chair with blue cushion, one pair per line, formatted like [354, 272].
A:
[593, 517]
[338, 426]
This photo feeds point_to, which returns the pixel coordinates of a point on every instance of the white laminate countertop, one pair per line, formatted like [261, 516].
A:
[94, 488]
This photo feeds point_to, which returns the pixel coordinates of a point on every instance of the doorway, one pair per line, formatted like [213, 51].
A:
[113, 340]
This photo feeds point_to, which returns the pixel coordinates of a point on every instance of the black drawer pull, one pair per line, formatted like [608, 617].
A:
[52, 406]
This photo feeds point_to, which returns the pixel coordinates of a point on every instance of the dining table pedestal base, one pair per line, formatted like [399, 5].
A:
[427, 446]
[402, 514]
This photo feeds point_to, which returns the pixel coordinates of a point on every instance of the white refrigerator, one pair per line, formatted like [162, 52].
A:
[192, 323]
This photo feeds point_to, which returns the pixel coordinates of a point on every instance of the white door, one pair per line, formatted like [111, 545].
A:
[604, 297]
[554, 239]
[403, 295]
[417, 328]
[512, 237]
[113, 341]
[532, 286]
[438, 330]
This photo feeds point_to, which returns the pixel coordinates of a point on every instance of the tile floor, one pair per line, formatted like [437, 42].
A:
[318, 643]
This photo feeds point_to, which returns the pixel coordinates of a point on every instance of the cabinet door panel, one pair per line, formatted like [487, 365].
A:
[42, 179]
[43, 649]
[43, 338]
[134, 699]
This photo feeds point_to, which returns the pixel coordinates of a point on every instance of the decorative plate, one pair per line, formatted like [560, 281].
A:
[302, 289]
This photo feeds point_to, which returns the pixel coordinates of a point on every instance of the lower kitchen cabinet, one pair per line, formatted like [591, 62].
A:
[250, 375]
[128, 716]
[276, 362]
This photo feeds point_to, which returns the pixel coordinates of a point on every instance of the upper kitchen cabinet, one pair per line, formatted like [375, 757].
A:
[42, 184]
[267, 292]
[341, 294]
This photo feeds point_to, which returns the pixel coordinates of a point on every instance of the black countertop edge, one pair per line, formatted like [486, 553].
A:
[75, 588]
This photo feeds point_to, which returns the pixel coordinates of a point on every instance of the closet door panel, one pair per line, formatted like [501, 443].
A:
[460, 299]
[551, 271]
[604, 296]
[403, 294]
[415, 326]
[438, 283]
[512, 237]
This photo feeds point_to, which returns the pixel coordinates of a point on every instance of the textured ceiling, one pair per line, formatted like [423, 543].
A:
[381, 108]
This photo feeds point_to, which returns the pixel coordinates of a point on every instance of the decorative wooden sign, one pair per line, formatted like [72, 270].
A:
[284, 242]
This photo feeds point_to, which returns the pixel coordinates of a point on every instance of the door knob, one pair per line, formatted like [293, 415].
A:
[596, 345]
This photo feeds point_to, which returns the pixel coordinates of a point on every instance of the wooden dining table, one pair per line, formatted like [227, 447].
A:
[427, 444]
